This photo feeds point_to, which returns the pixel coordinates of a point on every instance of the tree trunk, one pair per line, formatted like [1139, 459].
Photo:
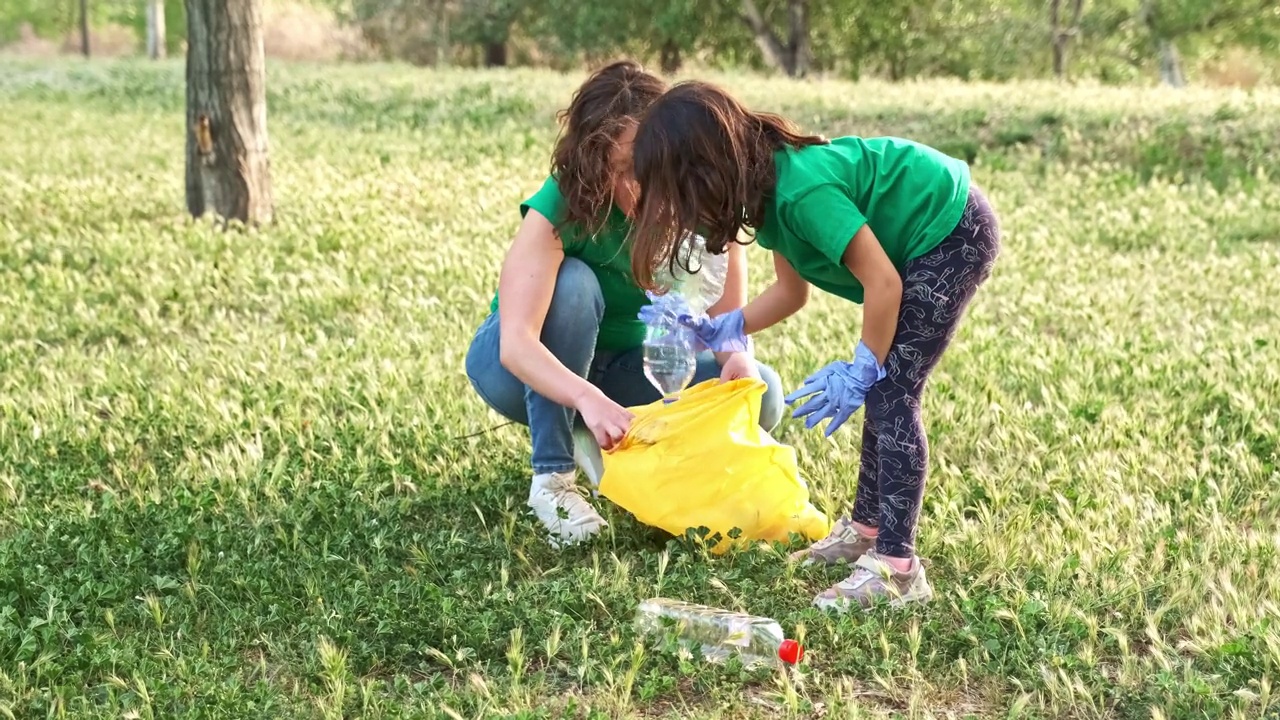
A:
[442, 33]
[1170, 64]
[670, 60]
[228, 172]
[84, 27]
[155, 29]
[792, 58]
[1059, 36]
[1055, 37]
[798, 15]
[495, 54]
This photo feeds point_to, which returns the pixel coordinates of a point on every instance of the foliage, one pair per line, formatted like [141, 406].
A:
[59, 19]
[240, 473]
[971, 39]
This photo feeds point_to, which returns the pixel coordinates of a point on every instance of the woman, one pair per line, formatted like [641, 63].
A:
[564, 344]
[886, 223]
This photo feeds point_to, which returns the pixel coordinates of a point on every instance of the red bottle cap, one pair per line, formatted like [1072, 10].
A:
[790, 652]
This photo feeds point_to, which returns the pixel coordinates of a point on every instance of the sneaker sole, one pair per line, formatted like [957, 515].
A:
[558, 538]
[819, 560]
[843, 604]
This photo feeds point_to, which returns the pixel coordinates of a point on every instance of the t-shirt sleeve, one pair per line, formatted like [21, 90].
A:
[825, 218]
[547, 201]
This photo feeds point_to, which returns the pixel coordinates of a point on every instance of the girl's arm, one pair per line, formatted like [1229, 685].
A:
[784, 298]
[735, 290]
[525, 289]
[868, 262]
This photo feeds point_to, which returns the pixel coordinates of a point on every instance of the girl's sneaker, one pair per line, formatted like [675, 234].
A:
[873, 580]
[844, 544]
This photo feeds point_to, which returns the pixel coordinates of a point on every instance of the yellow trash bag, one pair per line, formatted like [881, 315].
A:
[704, 461]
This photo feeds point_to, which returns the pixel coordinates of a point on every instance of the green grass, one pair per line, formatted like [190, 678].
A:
[240, 474]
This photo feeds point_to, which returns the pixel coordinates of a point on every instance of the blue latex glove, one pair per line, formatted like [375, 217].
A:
[719, 334]
[838, 389]
[663, 309]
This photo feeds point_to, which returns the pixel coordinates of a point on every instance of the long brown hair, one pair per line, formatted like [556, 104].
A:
[704, 163]
[610, 101]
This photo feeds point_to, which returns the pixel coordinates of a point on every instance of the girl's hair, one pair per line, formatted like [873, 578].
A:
[704, 163]
[610, 101]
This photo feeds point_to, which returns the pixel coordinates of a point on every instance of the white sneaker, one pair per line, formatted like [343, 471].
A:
[559, 503]
[586, 453]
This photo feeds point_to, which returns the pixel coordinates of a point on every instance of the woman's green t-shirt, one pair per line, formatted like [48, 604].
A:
[608, 254]
[911, 195]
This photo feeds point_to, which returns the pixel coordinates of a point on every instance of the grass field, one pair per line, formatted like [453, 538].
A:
[243, 475]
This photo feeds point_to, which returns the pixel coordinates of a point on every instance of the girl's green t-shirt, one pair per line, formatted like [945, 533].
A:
[608, 254]
[911, 195]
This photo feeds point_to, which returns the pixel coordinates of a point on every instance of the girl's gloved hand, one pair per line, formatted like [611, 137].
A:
[838, 389]
[719, 334]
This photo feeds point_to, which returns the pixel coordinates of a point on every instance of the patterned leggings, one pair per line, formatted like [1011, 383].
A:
[936, 290]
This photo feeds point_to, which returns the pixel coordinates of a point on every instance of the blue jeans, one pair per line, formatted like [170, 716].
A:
[569, 332]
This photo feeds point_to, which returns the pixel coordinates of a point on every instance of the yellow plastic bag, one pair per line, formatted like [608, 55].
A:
[704, 461]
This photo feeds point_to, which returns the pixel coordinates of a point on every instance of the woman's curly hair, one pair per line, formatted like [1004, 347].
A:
[609, 102]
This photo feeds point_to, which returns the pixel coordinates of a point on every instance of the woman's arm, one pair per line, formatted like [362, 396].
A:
[882, 283]
[525, 289]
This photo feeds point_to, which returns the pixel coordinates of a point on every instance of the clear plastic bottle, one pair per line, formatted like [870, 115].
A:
[669, 357]
[756, 641]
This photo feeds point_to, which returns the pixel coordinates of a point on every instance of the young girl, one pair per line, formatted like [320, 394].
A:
[564, 343]
[883, 222]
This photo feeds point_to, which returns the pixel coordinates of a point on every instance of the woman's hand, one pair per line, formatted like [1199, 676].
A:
[737, 366]
[607, 420]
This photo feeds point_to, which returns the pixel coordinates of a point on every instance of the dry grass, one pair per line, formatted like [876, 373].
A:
[298, 31]
[1239, 68]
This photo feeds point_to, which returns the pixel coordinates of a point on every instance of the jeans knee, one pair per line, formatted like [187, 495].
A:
[577, 297]
[771, 404]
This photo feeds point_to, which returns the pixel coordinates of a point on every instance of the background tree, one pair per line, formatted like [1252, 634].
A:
[788, 53]
[228, 173]
[487, 23]
[84, 27]
[155, 29]
[1061, 34]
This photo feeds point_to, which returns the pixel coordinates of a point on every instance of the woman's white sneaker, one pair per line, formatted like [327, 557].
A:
[563, 509]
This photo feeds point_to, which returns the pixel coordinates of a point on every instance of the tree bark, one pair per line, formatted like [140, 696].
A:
[84, 27]
[155, 29]
[228, 172]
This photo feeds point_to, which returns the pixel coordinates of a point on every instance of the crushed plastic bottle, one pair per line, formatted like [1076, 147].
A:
[756, 641]
[702, 287]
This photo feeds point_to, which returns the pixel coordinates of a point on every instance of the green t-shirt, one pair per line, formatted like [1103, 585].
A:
[911, 195]
[608, 254]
